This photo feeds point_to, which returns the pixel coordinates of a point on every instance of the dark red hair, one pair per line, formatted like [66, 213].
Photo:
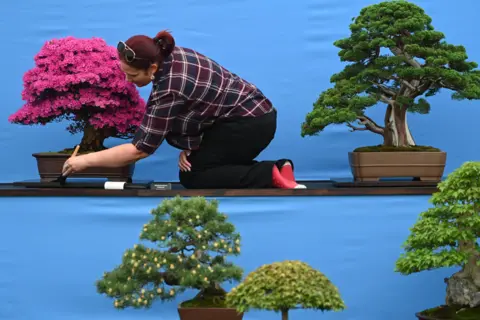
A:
[149, 50]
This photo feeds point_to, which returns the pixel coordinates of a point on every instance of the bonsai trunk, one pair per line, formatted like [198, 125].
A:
[396, 131]
[463, 288]
[285, 314]
[214, 295]
[213, 291]
[93, 139]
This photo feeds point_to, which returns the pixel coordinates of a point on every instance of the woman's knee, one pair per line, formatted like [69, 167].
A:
[187, 179]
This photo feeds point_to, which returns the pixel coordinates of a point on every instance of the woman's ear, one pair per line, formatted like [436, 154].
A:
[153, 69]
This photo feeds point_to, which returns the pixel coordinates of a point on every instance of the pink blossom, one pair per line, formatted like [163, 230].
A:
[79, 80]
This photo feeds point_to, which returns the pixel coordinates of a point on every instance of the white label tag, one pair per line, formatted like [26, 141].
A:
[114, 185]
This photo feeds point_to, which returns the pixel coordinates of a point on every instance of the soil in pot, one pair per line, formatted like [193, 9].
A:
[207, 307]
[382, 148]
[450, 313]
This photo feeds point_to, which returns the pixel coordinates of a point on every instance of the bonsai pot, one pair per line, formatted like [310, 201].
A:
[449, 313]
[420, 316]
[209, 314]
[50, 167]
[372, 166]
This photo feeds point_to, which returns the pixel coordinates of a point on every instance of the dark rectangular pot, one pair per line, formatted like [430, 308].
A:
[209, 314]
[471, 313]
[50, 167]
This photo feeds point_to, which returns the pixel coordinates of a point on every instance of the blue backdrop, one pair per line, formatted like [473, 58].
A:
[52, 250]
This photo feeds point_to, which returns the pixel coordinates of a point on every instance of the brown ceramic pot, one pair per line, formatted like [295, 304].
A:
[422, 317]
[372, 166]
[209, 314]
[50, 167]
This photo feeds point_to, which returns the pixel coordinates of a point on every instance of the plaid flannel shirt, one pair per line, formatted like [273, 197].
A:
[189, 93]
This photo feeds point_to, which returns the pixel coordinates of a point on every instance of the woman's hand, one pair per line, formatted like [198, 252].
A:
[74, 164]
[183, 163]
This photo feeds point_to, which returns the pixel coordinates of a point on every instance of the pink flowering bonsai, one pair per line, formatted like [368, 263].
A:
[80, 80]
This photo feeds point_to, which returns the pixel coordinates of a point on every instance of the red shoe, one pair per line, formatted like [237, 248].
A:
[287, 171]
[281, 182]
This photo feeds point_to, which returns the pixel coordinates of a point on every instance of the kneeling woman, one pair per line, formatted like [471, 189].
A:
[219, 121]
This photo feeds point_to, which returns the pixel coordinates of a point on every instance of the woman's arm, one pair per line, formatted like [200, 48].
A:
[118, 156]
[157, 123]
[114, 157]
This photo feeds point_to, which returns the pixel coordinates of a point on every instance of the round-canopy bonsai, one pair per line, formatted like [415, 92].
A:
[283, 286]
[192, 240]
[80, 80]
[446, 235]
[396, 58]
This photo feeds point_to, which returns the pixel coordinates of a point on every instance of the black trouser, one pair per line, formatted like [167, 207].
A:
[225, 159]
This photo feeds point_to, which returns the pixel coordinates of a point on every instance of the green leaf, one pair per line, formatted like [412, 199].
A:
[394, 56]
[446, 234]
[283, 286]
[191, 240]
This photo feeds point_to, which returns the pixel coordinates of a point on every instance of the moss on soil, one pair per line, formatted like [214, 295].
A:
[65, 151]
[382, 148]
[205, 302]
[452, 313]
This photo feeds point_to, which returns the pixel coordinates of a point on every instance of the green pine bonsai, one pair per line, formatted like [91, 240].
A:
[192, 240]
[395, 58]
[446, 236]
[283, 286]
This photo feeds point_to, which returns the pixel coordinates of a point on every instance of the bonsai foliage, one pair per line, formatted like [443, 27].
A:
[282, 286]
[446, 235]
[396, 58]
[80, 80]
[192, 240]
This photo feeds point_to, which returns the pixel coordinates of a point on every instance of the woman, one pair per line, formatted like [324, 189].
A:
[219, 121]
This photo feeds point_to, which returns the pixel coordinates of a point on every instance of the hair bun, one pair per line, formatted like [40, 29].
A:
[165, 42]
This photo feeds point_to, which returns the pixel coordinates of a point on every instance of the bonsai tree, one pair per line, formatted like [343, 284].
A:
[446, 235]
[192, 240]
[80, 80]
[396, 58]
[282, 286]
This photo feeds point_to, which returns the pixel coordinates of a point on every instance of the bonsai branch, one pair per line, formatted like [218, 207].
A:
[424, 87]
[409, 89]
[408, 84]
[354, 128]
[386, 99]
[470, 269]
[364, 118]
[213, 290]
[392, 93]
[447, 86]
[168, 278]
[386, 90]
[415, 89]
[408, 58]
[183, 248]
[368, 124]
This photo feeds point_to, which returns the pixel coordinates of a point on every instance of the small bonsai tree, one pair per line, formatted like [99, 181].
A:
[395, 58]
[446, 235]
[283, 286]
[80, 80]
[192, 240]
